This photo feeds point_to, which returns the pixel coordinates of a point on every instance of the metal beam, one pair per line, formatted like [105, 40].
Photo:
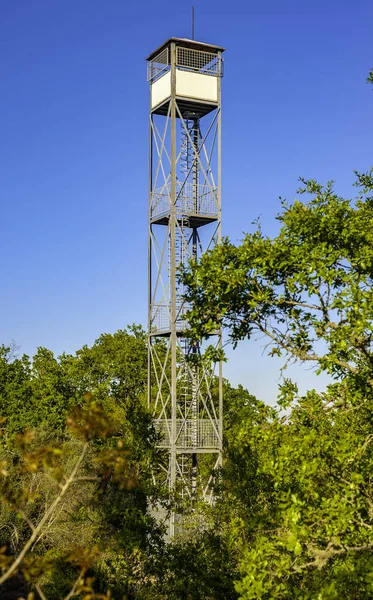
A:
[184, 222]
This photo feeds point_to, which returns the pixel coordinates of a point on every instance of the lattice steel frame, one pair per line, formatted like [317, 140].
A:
[189, 422]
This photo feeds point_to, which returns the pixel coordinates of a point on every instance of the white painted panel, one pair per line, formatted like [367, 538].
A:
[196, 85]
[161, 89]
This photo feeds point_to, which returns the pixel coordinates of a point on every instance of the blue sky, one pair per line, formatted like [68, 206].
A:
[74, 134]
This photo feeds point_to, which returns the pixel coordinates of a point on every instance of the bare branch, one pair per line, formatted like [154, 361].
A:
[40, 592]
[324, 307]
[86, 478]
[25, 517]
[302, 355]
[322, 556]
[48, 513]
[75, 586]
[300, 304]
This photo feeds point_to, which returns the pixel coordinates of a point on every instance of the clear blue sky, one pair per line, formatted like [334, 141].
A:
[74, 133]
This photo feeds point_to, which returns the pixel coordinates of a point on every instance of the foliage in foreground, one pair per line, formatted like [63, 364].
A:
[75, 489]
[45, 488]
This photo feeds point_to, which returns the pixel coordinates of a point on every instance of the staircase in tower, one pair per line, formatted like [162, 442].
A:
[185, 394]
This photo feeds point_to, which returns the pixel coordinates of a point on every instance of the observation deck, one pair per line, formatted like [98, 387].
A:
[193, 435]
[196, 205]
[199, 66]
[161, 319]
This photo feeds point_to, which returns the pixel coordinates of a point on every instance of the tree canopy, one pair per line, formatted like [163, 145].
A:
[304, 527]
[77, 459]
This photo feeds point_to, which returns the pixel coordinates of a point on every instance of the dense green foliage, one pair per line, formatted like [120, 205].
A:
[304, 528]
[95, 397]
[45, 389]
[41, 393]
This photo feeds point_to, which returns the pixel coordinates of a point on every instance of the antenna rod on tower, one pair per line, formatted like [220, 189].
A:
[193, 22]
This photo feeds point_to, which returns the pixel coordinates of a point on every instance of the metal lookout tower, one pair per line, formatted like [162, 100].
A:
[184, 221]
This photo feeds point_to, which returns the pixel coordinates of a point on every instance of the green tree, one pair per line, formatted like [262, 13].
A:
[132, 556]
[15, 388]
[44, 389]
[46, 488]
[304, 526]
[310, 284]
[40, 393]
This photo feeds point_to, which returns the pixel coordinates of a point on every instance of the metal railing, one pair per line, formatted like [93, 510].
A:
[187, 59]
[191, 433]
[161, 317]
[158, 66]
[199, 61]
[188, 202]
